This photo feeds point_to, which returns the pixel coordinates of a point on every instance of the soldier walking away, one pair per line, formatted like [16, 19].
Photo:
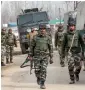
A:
[3, 46]
[41, 49]
[10, 42]
[58, 42]
[82, 38]
[73, 44]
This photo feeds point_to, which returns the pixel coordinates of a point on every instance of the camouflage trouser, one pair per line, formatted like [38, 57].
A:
[84, 55]
[9, 52]
[40, 65]
[59, 51]
[74, 65]
[3, 50]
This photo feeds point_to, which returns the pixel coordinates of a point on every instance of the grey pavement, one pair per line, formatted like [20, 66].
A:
[16, 78]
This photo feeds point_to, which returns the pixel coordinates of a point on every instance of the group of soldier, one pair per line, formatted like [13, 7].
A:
[71, 45]
[8, 41]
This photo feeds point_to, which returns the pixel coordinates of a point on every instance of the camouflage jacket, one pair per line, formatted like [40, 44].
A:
[67, 41]
[41, 44]
[11, 39]
[58, 38]
[3, 39]
[82, 39]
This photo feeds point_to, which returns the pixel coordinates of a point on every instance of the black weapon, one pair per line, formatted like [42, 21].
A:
[28, 59]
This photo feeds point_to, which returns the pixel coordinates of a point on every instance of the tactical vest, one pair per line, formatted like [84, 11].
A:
[41, 44]
[60, 36]
[75, 42]
[82, 36]
[10, 39]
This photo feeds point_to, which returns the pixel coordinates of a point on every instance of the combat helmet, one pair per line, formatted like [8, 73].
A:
[42, 26]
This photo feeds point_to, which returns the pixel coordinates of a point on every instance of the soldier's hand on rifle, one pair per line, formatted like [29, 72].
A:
[30, 58]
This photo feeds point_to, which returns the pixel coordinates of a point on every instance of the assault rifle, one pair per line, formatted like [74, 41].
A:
[28, 59]
[31, 60]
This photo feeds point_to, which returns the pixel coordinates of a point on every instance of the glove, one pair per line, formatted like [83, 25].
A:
[51, 61]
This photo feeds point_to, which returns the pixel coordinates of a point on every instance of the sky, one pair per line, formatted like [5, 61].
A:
[11, 9]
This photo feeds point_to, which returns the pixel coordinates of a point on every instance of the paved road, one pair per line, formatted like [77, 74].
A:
[16, 78]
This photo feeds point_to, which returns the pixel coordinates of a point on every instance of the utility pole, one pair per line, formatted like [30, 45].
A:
[67, 5]
[60, 15]
[75, 4]
[1, 2]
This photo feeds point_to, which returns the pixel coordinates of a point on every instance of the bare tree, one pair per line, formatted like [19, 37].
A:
[11, 9]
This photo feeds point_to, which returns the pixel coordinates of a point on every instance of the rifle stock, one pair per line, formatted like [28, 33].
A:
[26, 60]
[31, 64]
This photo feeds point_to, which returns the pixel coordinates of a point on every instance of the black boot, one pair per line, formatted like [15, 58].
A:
[11, 60]
[42, 85]
[2, 64]
[72, 82]
[62, 65]
[38, 80]
[72, 78]
[77, 77]
[7, 61]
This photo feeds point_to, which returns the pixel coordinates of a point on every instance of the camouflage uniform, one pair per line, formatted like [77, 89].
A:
[3, 46]
[58, 41]
[75, 54]
[10, 42]
[41, 48]
[82, 38]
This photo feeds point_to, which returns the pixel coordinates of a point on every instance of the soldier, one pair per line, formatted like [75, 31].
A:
[82, 38]
[32, 34]
[41, 48]
[58, 41]
[3, 46]
[49, 31]
[72, 42]
[10, 42]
